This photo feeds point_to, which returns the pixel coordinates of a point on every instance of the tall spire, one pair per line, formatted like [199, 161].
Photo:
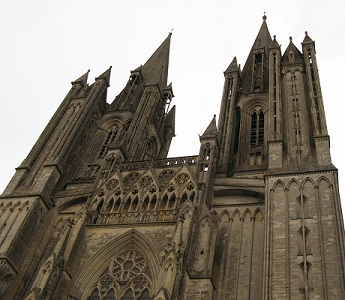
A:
[155, 70]
[263, 38]
[259, 51]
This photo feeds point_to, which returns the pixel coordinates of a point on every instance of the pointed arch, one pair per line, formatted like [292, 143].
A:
[306, 180]
[117, 204]
[93, 269]
[258, 213]
[206, 219]
[168, 274]
[164, 201]
[323, 178]
[134, 204]
[183, 198]
[153, 202]
[235, 213]
[225, 213]
[292, 181]
[187, 209]
[172, 201]
[277, 183]
[127, 204]
[247, 212]
[145, 203]
[109, 206]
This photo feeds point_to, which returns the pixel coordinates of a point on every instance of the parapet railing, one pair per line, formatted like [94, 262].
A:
[131, 217]
[160, 163]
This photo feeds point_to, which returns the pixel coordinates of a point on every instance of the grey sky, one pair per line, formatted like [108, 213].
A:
[47, 44]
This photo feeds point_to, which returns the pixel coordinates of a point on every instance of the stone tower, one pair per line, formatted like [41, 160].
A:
[97, 211]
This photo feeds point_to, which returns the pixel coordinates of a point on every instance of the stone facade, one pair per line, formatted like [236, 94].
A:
[97, 210]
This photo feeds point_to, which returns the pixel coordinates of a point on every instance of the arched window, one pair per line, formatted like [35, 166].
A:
[117, 205]
[183, 198]
[127, 204]
[126, 278]
[109, 206]
[145, 203]
[110, 138]
[164, 202]
[134, 204]
[171, 203]
[257, 129]
[153, 202]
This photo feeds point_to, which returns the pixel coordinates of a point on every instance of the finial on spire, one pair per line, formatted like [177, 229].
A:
[264, 17]
[290, 38]
[306, 33]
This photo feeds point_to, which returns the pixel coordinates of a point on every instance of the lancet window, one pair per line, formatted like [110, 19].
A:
[257, 129]
[188, 194]
[109, 139]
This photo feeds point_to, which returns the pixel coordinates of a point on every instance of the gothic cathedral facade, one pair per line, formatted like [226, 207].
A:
[97, 211]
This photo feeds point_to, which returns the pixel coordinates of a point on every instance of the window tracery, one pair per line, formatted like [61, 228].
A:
[126, 278]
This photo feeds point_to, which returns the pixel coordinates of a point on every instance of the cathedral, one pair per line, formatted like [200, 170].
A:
[98, 211]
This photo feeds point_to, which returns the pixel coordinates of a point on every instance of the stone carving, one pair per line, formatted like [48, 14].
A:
[182, 178]
[111, 184]
[165, 176]
[130, 179]
[145, 181]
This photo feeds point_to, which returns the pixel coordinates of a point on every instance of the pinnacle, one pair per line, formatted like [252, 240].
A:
[274, 43]
[105, 75]
[82, 79]
[233, 67]
[211, 130]
[307, 39]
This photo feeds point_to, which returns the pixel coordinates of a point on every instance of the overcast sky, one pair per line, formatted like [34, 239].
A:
[47, 44]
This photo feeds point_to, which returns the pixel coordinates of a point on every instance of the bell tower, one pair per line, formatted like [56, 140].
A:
[274, 142]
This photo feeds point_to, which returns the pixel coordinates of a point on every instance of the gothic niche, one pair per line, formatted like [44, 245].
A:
[127, 277]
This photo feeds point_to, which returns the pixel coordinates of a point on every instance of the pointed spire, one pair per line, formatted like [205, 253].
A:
[105, 75]
[211, 130]
[292, 55]
[263, 38]
[155, 70]
[307, 39]
[274, 43]
[233, 67]
[261, 43]
[82, 79]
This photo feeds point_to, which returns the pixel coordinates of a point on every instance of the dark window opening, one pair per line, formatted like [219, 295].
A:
[257, 133]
